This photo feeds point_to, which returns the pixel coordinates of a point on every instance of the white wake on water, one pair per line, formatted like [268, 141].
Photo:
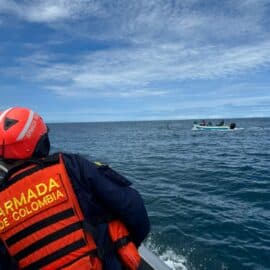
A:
[173, 260]
[169, 257]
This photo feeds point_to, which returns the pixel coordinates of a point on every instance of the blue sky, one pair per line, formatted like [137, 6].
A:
[83, 60]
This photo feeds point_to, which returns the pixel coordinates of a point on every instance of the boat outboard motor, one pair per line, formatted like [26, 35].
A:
[232, 126]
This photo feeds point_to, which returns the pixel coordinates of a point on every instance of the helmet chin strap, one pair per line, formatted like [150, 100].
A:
[3, 170]
[3, 167]
[6, 166]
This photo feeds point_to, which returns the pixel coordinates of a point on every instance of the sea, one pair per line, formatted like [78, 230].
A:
[207, 193]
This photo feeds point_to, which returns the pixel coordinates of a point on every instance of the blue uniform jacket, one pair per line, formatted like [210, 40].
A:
[101, 192]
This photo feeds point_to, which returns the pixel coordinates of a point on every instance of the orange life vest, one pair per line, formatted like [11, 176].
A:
[126, 249]
[42, 225]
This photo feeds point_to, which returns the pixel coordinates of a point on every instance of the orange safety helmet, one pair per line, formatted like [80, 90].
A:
[23, 134]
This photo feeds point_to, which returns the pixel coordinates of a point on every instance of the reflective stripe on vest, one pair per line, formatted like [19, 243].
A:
[41, 222]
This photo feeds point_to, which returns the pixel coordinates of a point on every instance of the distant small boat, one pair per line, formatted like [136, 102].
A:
[197, 126]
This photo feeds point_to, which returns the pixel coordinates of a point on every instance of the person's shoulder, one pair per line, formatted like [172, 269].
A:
[83, 162]
[74, 160]
[97, 168]
[74, 157]
[107, 171]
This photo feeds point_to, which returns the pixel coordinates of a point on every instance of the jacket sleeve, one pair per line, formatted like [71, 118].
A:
[116, 195]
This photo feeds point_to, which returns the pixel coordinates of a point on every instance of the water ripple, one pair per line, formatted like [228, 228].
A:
[207, 193]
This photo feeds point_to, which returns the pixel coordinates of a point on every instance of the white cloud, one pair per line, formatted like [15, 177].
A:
[48, 11]
[167, 41]
[146, 20]
[144, 92]
[127, 72]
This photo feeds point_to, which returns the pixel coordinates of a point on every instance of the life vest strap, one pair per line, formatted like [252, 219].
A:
[47, 240]
[92, 253]
[56, 255]
[121, 242]
[39, 225]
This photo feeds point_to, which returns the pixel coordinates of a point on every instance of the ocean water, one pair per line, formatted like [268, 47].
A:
[207, 192]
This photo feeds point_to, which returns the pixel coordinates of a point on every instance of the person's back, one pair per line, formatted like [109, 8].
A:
[62, 210]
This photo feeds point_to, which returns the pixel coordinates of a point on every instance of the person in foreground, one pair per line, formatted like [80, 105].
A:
[62, 211]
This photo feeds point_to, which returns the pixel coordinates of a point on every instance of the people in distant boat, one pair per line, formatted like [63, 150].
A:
[221, 123]
[203, 123]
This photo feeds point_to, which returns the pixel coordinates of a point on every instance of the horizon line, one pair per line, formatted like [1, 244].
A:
[156, 120]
